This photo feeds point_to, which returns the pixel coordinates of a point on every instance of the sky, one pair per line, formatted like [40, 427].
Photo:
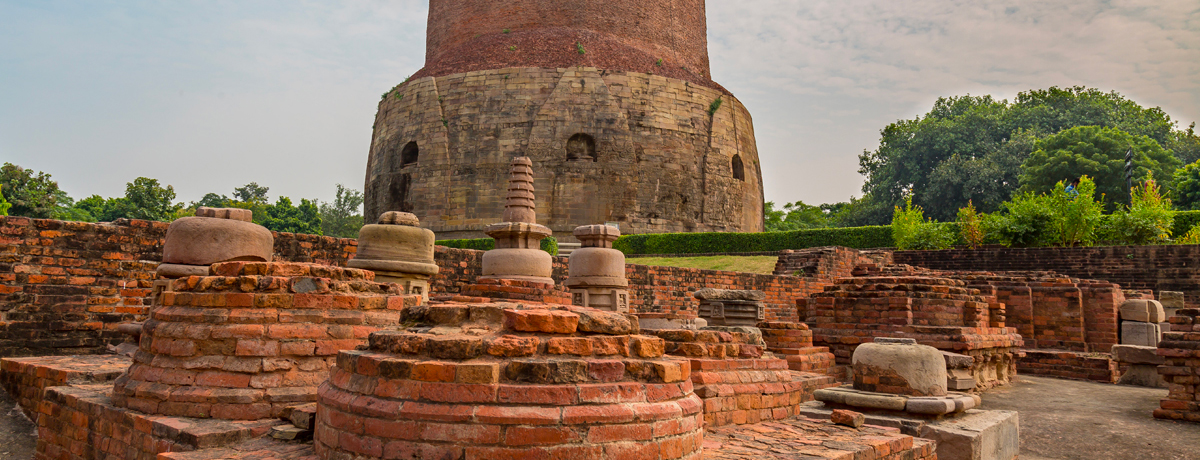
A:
[210, 95]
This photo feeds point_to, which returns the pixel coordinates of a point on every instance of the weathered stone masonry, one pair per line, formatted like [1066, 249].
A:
[611, 100]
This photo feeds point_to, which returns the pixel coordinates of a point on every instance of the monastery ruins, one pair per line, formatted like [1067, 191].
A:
[214, 338]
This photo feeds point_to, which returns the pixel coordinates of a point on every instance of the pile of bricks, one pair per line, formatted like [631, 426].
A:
[252, 339]
[940, 312]
[794, 342]
[501, 380]
[1181, 349]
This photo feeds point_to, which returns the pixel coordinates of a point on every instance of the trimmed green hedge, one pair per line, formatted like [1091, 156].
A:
[549, 244]
[698, 243]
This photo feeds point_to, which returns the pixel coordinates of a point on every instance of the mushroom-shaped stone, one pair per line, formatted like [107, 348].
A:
[396, 245]
[899, 366]
[214, 235]
[399, 251]
[596, 263]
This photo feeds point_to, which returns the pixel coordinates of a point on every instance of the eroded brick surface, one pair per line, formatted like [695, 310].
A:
[813, 439]
[1181, 349]
[252, 339]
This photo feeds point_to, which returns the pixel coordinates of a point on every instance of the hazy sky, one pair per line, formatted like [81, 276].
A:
[210, 95]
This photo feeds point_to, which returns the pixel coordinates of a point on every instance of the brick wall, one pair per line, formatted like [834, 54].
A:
[631, 35]
[1157, 268]
[64, 286]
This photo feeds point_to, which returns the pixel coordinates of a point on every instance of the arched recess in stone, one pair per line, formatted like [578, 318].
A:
[581, 147]
[739, 171]
[408, 156]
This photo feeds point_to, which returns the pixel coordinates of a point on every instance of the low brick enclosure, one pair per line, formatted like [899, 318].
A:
[1181, 349]
[1093, 367]
[64, 286]
[1157, 268]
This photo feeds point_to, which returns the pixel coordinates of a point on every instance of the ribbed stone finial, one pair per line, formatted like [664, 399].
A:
[519, 205]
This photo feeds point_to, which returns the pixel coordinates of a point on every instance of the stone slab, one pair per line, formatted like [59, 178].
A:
[1146, 311]
[1143, 375]
[1136, 354]
[1144, 334]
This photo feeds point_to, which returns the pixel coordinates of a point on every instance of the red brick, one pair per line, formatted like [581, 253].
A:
[518, 415]
[539, 436]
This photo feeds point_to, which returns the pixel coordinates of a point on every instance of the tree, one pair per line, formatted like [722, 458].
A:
[971, 148]
[1098, 152]
[284, 217]
[1185, 145]
[149, 201]
[212, 200]
[4, 204]
[251, 193]
[31, 195]
[342, 218]
[794, 216]
[1187, 187]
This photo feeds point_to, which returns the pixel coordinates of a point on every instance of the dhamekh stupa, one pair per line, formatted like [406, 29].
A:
[612, 100]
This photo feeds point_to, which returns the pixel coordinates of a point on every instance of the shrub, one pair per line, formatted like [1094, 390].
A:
[548, 244]
[700, 243]
[1078, 214]
[970, 228]
[910, 231]
[1192, 236]
[1148, 219]
[1026, 221]
[1184, 222]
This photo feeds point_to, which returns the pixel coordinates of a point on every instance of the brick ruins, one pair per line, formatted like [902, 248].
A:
[613, 101]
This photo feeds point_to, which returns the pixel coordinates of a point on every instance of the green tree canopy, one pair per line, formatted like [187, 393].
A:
[793, 216]
[343, 217]
[970, 148]
[30, 194]
[250, 193]
[149, 201]
[4, 204]
[1098, 152]
[284, 217]
[1187, 187]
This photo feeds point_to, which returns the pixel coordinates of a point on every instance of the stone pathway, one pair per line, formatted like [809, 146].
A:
[18, 435]
[1068, 419]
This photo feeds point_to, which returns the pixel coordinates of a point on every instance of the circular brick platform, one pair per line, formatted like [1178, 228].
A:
[497, 381]
[252, 338]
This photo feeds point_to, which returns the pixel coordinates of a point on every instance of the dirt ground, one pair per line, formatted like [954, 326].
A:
[1067, 419]
[18, 435]
[1060, 419]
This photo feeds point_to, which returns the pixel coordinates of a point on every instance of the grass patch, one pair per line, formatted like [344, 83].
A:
[764, 265]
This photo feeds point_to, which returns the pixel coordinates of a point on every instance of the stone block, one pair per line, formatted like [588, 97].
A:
[1146, 311]
[1143, 375]
[1136, 354]
[1144, 334]
[976, 435]
[1171, 300]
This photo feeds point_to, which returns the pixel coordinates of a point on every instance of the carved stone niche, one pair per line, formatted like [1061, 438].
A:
[728, 307]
